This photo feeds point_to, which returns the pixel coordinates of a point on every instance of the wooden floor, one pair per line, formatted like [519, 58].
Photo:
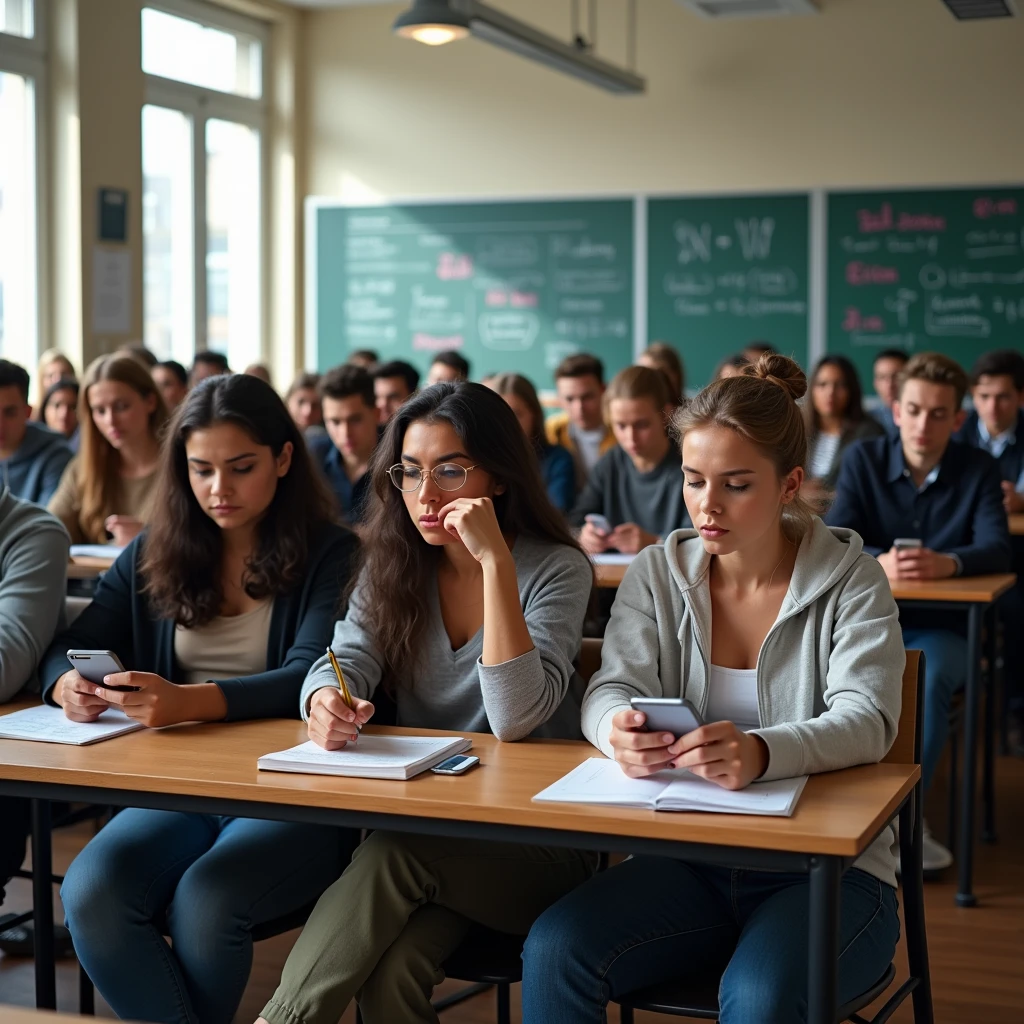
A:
[976, 955]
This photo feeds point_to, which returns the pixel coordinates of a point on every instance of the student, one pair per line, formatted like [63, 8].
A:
[303, 401]
[59, 410]
[217, 613]
[997, 426]
[835, 418]
[260, 370]
[53, 365]
[556, 466]
[208, 364]
[470, 608]
[919, 484]
[637, 486]
[756, 349]
[107, 487]
[343, 454]
[661, 356]
[732, 366]
[887, 367]
[580, 428]
[140, 352]
[448, 366]
[786, 637]
[32, 457]
[364, 357]
[171, 379]
[33, 571]
[393, 383]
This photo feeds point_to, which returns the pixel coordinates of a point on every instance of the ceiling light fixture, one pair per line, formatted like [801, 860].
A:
[433, 22]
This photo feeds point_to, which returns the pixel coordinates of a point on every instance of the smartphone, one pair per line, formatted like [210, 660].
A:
[676, 715]
[456, 765]
[94, 665]
[906, 543]
[598, 521]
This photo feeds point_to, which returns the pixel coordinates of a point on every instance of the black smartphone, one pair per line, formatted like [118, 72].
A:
[94, 665]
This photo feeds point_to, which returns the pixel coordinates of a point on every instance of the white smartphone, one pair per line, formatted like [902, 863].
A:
[598, 521]
[907, 543]
[676, 715]
[94, 665]
[456, 765]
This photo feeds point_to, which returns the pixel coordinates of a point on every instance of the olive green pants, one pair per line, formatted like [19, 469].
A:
[381, 933]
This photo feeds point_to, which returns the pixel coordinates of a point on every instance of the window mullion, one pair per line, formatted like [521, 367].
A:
[199, 228]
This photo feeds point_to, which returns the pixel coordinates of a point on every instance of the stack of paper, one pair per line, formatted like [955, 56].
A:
[612, 558]
[599, 781]
[370, 757]
[95, 551]
[50, 725]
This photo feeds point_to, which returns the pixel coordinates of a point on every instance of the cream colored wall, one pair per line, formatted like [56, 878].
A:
[869, 92]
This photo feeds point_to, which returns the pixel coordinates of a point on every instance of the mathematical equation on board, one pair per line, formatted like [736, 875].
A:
[731, 272]
[506, 286]
[927, 276]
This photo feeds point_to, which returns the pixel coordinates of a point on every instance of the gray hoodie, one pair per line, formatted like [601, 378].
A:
[33, 582]
[829, 673]
[35, 469]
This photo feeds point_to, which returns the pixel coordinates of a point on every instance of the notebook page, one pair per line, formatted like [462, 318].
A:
[368, 753]
[612, 558]
[50, 725]
[690, 792]
[600, 781]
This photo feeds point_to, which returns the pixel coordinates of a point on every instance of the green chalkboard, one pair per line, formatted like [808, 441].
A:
[925, 271]
[509, 285]
[722, 272]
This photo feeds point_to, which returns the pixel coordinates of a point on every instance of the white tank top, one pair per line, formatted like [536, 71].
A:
[732, 697]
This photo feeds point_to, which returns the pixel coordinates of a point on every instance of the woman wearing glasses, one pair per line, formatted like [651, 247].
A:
[468, 611]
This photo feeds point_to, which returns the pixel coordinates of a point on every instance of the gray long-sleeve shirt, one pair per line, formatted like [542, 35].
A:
[538, 693]
[622, 494]
[33, 582]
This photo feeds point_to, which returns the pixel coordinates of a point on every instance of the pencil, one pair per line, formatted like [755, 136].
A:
[342, 685]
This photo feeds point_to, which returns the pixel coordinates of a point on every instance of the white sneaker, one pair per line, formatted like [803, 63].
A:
[935, 856]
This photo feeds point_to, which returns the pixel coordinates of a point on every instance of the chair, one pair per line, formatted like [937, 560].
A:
[488, 957]
[701, 1001]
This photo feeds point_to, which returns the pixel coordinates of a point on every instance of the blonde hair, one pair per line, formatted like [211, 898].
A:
[98, 461]
[936, 369]
[668, 360]
[639, 382]
[760, 405]
[51, 355]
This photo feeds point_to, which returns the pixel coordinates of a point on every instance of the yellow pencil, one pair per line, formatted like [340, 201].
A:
[342, 685]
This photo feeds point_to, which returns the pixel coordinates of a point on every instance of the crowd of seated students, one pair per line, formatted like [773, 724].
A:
[436, 539]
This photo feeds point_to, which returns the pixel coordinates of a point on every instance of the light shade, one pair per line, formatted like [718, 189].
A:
[432, 22]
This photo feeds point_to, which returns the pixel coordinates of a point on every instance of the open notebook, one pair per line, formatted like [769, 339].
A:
[370, 757]
[600, 781]
[50, 725]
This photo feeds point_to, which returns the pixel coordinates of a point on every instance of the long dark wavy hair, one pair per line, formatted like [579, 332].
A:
[181, 562]
[397, 564]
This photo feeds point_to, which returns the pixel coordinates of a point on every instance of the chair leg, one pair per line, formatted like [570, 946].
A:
[911, 836]
[504, 1003]
[86, 994]
[954, 790]
[626, 1014]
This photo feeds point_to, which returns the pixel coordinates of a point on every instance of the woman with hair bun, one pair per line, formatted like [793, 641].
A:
[785, 635]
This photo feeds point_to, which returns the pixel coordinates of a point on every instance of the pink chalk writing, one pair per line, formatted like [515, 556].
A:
[867, 273]
[870, 221]
[855, 320]
[985, 207]
[523, 300]
[494, 297]
[453, 266]
[432, 343]
[921, 222]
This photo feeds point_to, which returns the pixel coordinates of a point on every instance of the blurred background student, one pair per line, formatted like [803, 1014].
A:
[834, 419]
[448, 366]
[393, 384]
[731, 366]
[208, 364]
[107, 489]
[260, 370]
[171, 380]
[53, 365]
[59, 410]
[580, 427]
[556, 465]
[659, 355]
[364, 357]
[303, 402]
[885, 374]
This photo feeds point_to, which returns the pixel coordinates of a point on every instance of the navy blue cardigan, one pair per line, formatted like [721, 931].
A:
[120, 619]
[1011, 460]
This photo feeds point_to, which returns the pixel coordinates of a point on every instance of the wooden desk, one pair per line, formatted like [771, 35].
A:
[19, 1015]
[212, 769]
[609, 576]
[82, 567]
[1017, 524]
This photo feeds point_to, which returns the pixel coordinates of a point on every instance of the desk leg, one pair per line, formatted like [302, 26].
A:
[988, 767]
[965, 896]
[42, 906]
[823, 960]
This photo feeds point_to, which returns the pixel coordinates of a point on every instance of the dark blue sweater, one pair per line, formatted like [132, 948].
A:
[119, 619]
[1011, 459]
[960, 514]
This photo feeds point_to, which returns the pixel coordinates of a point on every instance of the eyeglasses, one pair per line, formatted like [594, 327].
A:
[448, 476]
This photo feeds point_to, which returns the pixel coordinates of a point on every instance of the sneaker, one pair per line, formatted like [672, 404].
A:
[935, 856]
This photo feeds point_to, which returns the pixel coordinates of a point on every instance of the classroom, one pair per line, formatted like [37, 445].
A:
[511, 511]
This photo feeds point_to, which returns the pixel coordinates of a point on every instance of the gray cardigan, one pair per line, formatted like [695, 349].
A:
[829, 673]
[536, 694]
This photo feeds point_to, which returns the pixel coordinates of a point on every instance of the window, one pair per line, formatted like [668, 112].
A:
[21, 74]
[202, 164]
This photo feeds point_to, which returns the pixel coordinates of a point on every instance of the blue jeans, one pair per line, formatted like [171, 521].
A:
[205, 880]
[653, 919]
[945, 672]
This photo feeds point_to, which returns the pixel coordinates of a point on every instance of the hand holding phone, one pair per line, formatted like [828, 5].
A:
[676, 715]
[95, 665]
[598, 522]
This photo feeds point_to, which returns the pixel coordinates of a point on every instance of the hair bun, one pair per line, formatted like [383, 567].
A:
[783, 372]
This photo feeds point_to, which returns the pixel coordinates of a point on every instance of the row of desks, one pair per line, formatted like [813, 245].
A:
[212, 769]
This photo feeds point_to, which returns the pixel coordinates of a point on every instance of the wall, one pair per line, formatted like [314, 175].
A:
[868, 92]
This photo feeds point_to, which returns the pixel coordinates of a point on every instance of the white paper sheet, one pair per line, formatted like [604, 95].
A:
[50, 725]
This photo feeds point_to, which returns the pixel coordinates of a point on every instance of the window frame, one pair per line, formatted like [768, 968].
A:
[202, 104]
[28, 57]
